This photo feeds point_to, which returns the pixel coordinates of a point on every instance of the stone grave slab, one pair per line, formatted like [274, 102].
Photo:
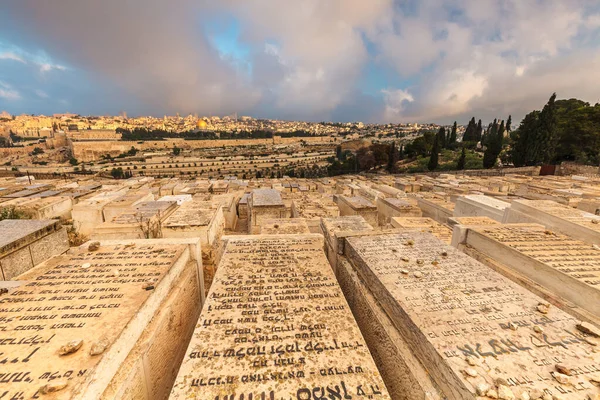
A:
[335, 229]
[276, 326]
[358, 205]
[460, 227]
[436, 208]
[480, 206]
[390, 207]
[472, 328]
[472, 221]
[265, 204]
[284, 226]
[403, 374]
[199, 219]
[424, 224]
[70, 328]
[27, 243]
[566, 266]
[569, 221]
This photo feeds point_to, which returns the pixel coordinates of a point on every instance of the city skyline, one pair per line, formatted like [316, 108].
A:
[376, 62]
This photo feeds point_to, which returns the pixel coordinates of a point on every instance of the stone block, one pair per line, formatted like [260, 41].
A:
[276, 326]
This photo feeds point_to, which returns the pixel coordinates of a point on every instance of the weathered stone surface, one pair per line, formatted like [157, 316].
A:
[27, 243]
[358, 205]
[436, 208]
[276, 325]
[424, 224]
[395, 207]
[567, 267]
[265, 204]
[284, 226]
[556, 217]
[54, 321]
[403, 374]
[335, 229]
[480, 206]
[461, 308]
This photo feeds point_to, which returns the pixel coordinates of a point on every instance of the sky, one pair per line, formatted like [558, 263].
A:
[375, 61]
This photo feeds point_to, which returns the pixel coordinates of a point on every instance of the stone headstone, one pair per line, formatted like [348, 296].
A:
[27, 243]
[276, 326]
[472, 328]
[110, 322]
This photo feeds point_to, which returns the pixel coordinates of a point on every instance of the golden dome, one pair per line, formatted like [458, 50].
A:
[201, 124]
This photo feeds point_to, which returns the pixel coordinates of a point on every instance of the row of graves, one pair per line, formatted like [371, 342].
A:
[448, 287]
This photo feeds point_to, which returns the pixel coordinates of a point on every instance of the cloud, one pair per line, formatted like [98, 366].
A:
[11, 56]
[45, 67]
[395, 102]
[8, 93]
[310, 59]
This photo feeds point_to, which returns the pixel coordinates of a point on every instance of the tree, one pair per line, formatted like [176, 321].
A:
[442, 137]
[37, 150]
[478, 131]
[509, 123]
[392, 159]
[73, 161]
[338, 152]
[117, 173]
[547, 133]
[176, 150]
[493, 144]
[433, 159]
[452, 135]
[522, 150]
[462, 160]
[421, 146]
[470, 135]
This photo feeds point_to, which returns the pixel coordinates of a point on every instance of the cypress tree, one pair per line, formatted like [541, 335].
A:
[462, 160]
[501, 131]
[453, 135]
[548, 132]
[469, 135]
[508, 123]
[392, 158]
[478, 132]
[433, 159]
[442, 137]
[493, 143]
[523, 138]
